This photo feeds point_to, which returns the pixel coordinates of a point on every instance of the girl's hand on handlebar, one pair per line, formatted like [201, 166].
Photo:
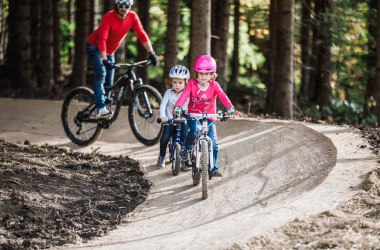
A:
[231, 111]
[164, 119]
[177, 111]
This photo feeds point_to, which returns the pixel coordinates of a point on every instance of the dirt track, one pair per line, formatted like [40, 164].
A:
[273, 172]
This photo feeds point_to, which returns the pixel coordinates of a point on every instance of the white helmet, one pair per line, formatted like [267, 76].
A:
[127, 2]
[179, 71]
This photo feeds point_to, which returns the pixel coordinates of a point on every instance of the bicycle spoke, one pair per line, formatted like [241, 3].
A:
[143, 113]
[79, 117]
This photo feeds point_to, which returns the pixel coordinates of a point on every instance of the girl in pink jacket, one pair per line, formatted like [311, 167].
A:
[202, 93]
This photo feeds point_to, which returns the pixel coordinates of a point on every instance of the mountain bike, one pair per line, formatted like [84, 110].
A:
[79, 110]
[176, 144]
[201, 155]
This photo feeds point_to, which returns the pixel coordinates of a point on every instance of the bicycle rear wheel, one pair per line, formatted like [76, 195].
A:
[79, 117]
[204, 168]
[176, 164]
[143, 111]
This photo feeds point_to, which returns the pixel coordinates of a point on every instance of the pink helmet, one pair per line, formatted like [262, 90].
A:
[205, 64]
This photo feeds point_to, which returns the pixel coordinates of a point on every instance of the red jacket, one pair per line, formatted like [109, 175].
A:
[112, 30]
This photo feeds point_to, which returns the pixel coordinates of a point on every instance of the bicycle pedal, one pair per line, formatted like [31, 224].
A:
[104, 117]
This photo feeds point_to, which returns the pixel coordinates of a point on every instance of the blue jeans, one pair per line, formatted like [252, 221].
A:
[102, 76]
[169, 132]
[192, 123]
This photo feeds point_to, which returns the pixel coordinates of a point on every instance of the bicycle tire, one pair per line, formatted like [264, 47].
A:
[80, 102]
[204, 168]
[143, 123]
[196, 172]
[176, 164]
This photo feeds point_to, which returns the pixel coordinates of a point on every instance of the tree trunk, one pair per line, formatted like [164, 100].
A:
[371, 58]
[144, 6]
[323, 92]
[272, 57]
[19, 57]
[306, 49]
[91, 24]
[35, 23]
[171, 43]
[200, 29]
[235, 53]
[56, 43]
[46, 49]
[70, 17]
[283, 77]
[108, 5]
[82, 18]
[220, 24]
[377, 93]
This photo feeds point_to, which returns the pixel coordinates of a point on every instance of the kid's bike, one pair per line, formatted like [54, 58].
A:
[175, 145]
[201, 156]
[79, 110]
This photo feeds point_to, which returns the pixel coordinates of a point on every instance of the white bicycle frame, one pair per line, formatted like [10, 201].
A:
[203, 128]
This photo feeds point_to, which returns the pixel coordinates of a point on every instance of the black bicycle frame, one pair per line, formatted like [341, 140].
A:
[176, 138]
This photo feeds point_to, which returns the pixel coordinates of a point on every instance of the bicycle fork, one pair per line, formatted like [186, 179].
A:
[199, 150]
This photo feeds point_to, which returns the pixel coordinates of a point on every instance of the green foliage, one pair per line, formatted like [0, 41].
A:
[251, 59]
[67, 30]
[338, 112]
[349, 36]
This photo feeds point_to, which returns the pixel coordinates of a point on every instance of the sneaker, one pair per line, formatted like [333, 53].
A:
[216, 173]
[104, 113]
[160, 162]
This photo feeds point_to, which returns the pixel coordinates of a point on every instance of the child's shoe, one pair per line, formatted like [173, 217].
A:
[104, 113]
[160, 162]
[215, 173]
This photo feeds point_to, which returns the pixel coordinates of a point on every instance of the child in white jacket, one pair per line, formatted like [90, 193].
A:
[179, 75]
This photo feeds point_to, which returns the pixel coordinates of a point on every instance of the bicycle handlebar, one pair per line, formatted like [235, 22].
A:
[222, 116]
[174, 120]
[141, 64]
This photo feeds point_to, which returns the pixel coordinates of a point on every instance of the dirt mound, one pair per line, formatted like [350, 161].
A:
[353, 225]
[53, 196]
[372, 135]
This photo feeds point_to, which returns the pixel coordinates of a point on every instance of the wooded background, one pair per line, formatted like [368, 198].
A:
[306, 58]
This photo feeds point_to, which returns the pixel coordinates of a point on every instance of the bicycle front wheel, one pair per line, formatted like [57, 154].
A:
[144, 109]
[79, 117]
[204, 168]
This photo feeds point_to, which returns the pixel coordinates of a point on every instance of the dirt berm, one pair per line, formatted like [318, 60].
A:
[273, 172]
